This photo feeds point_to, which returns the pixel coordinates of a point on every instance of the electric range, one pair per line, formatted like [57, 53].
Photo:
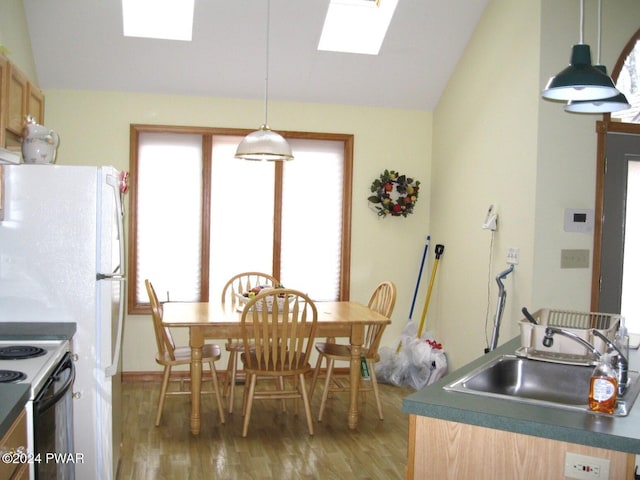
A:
[35, 369]
[47, 366]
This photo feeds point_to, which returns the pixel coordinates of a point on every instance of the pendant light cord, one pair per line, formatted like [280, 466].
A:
[266, 67]
[599, 31]
[581, 21]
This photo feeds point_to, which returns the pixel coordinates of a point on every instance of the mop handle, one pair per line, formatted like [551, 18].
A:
[415, 292]
[438, 251]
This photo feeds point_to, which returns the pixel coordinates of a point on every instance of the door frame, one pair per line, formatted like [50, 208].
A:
[602, 129]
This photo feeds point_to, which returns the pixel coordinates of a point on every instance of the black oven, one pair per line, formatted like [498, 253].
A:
[53, 424]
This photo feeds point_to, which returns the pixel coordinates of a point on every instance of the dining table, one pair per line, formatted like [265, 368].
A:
[206, 320]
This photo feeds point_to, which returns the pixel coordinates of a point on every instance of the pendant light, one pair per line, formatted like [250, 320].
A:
[264, 143]
[580, 80]
[604, 105]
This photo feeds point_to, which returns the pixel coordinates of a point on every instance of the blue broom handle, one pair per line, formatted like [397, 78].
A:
[415, 293]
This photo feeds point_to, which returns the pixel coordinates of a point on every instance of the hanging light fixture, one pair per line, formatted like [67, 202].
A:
[604, 105]
[580, 80]
[264, 143]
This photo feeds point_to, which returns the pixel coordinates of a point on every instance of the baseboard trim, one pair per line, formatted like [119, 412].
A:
[156, 376]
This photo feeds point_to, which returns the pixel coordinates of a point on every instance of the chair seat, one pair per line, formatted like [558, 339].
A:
[337, 351]
[382, 300]
[210, 351]
[271, 368]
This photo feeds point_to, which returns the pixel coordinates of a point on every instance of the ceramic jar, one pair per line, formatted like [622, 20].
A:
[39, 144]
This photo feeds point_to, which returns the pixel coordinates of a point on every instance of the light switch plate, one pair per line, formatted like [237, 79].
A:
[574, 258]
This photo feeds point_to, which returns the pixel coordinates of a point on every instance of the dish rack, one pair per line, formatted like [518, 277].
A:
[566, 350]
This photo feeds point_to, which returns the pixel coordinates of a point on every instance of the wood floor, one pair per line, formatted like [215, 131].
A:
[278, 445]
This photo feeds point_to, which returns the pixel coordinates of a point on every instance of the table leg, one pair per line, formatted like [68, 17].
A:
[196, 341]
[357, 335]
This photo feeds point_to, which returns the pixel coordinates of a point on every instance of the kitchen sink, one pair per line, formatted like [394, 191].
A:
[539, 383]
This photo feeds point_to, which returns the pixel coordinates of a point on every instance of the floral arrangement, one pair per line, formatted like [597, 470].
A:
[394, 194]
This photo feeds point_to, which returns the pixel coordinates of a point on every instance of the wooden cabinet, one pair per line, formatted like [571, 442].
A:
[35, 103]
[15, 440]
[443, 449]
[18, 98]
[4, 72]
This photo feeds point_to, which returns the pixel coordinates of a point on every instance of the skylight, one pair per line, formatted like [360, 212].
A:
[165, 19]
[356, 26]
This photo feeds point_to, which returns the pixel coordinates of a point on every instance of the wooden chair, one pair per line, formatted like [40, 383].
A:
[277, 344]
[239, 284]
[169, 356]
[382, 301]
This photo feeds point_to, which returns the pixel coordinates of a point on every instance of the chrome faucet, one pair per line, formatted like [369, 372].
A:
[621, 363]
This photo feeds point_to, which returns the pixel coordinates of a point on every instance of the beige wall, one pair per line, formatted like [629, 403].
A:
[491, 140]
[485, 153]
[14, 36]
[94, 129]
[496, 141]
[567, 149]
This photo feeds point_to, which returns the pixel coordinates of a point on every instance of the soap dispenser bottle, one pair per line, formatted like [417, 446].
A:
[603, 391]
[621, 340]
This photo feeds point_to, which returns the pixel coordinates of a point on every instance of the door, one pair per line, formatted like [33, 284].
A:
[619, 261]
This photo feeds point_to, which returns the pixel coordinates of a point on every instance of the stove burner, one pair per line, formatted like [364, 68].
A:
[11, 376]
[18, 352]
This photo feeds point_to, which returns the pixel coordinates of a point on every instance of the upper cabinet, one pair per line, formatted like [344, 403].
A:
[18, 99]
[4, 71]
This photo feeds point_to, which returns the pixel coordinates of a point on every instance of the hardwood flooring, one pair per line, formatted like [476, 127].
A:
[278, 445]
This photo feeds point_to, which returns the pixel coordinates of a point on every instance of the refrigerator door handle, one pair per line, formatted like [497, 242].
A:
[109, 276]
[114, 183]
[112, 369]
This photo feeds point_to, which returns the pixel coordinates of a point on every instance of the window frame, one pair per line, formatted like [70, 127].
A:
[207, 134]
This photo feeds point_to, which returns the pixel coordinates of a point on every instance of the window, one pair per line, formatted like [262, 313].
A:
[627, 72]
[198, 215]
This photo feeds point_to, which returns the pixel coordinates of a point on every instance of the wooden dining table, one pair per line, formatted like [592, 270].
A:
[208, 320]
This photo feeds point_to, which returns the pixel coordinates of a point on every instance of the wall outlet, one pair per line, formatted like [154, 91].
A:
[513, 255]
[583, 467]
[574, 258]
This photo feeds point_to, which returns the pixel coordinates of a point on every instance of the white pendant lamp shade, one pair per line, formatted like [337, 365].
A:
[580, 80]
[264, 144]
[605, 105]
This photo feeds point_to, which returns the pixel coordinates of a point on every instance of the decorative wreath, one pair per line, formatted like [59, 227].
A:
[394, 194]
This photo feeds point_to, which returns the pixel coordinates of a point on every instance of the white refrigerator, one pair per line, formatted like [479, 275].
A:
[62, 260]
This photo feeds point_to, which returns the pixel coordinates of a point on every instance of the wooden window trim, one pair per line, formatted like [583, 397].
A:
[207, 134]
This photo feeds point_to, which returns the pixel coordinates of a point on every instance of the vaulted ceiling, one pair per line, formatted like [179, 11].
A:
[78, 44]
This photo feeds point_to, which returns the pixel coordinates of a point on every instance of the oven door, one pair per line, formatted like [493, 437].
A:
[53, 424]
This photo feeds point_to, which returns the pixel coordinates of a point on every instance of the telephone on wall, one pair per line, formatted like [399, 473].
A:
[491, 220]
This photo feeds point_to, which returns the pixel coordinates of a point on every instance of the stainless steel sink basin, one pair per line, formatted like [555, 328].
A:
[537, 382]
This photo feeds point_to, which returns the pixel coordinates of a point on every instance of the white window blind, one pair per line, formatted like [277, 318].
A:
[169, 215]
[312, 218]
[241, 215]
[170, 225]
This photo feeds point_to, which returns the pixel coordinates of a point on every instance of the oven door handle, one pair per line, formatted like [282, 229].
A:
[41, 405]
